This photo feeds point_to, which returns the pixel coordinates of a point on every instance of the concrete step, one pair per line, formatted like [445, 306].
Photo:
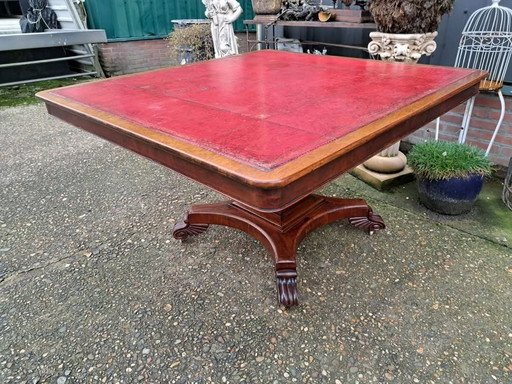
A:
[9, 26]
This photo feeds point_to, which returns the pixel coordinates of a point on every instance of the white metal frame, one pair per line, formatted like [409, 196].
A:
[486, 43]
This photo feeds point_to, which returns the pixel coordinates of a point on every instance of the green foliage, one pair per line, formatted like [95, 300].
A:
[434, 160]
[194, 40]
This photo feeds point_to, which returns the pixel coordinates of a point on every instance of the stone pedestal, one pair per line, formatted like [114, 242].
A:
[389, 167]
[383, 181]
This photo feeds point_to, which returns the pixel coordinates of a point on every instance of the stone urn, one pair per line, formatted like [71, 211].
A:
[406, 31]
[266, 7]
[403, 48]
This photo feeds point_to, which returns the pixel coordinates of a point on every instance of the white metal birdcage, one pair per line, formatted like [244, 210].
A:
[486, 43]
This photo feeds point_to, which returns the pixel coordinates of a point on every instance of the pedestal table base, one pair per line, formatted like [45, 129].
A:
[281, 231]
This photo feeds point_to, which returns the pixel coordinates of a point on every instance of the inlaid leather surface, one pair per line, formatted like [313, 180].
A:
[240, 107]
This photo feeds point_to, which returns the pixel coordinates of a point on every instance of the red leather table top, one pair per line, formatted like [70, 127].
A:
[266, 108]
[265, 128]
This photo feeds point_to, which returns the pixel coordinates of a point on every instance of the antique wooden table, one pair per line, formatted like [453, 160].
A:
[267, 129]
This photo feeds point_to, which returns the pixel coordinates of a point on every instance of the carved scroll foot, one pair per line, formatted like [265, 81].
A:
[370, 223]
[183, 230]
[287, 287]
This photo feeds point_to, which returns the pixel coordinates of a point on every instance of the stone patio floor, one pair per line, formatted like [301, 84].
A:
[94, 289]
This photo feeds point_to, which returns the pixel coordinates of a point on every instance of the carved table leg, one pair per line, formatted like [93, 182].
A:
[281, 231]
[286, 281]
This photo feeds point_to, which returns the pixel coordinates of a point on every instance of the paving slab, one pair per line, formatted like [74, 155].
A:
[94, 289]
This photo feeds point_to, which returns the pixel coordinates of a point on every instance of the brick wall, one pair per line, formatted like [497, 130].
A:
[125, 57]
[485, 116]
[142, 55]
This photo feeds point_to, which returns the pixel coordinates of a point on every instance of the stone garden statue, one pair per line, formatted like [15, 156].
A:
[223, 14]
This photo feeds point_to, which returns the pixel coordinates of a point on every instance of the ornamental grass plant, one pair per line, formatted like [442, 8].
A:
[441, 160]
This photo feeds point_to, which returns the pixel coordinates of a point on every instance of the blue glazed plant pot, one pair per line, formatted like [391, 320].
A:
[451, 196]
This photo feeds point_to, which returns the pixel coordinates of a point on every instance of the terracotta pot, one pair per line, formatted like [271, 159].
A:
[266, 7]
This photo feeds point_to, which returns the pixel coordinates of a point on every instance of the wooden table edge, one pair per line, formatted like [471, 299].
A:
[251, 175]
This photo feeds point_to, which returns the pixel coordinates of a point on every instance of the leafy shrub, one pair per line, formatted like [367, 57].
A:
[191, 43]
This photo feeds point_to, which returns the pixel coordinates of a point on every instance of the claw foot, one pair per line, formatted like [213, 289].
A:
[183, 230]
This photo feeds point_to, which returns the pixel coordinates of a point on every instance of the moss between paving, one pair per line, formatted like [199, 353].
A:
[490, 218]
